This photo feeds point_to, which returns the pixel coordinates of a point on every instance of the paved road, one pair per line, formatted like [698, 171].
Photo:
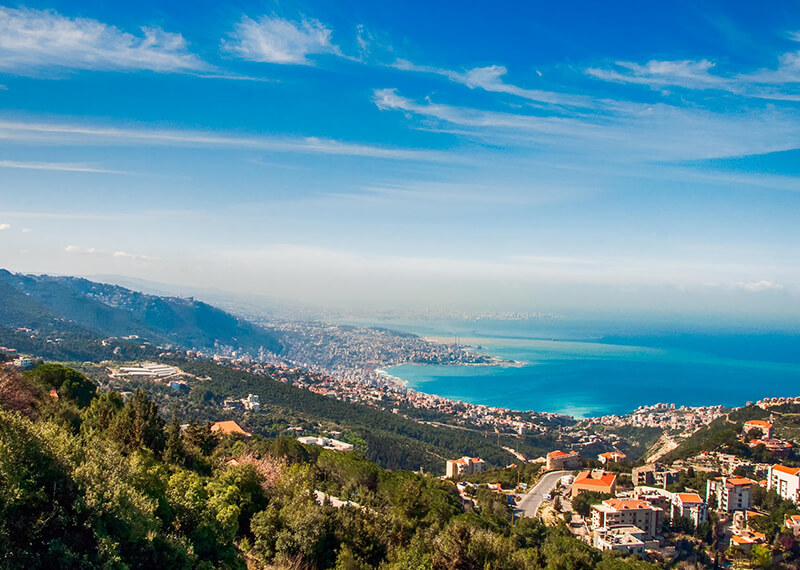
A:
[530, 501]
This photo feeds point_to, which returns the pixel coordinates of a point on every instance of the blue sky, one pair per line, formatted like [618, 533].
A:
[513, 156]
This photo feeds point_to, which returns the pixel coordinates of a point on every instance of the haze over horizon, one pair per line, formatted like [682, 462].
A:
[619, 158]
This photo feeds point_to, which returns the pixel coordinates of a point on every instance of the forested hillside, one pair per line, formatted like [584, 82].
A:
[92, 481]
[75, 305]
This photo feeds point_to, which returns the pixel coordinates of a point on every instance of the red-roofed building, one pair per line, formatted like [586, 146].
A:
[785, 481]
[611, 456]
[762, 426]
[729, 494]
[616, 512]
[559, 460]
[464, 466]
[597, 481]
[690, 506]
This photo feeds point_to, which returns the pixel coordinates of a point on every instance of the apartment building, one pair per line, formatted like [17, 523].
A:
[785, 481]
[464, 466]
[729, 494]
[628, 512]
[690, 506]
[560, 460]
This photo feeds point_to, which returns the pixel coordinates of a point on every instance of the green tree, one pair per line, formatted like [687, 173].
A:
[138, 425]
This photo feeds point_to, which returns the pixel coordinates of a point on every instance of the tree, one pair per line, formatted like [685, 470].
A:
[174, 451]
[138, 425]
[69, 383]
[761, 556]
[582, 504]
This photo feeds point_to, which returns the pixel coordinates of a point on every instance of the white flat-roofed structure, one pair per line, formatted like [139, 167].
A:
[626, 538]
[149, 370]
[326, 443]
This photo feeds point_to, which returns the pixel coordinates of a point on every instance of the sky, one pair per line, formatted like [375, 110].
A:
[515, 156]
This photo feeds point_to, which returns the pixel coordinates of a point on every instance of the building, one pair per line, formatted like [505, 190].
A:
[654, 475]
[326, 443]
[597, 481]
[464, 466]
[228, 427]
[627, 539]
[690, 506]
[785, 481]
[792, 524]
[23, 362]
[765, 428]
[779, 448]
[252, 402]
[747, 539]
[628, 512]
[611, 456]
[559, 460]
[729, 494]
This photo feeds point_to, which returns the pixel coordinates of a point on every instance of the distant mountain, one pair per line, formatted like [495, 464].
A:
[43, 301]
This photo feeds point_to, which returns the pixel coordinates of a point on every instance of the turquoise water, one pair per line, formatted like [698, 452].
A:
[596, 368]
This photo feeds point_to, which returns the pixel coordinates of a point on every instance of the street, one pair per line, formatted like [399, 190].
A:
[529, 503]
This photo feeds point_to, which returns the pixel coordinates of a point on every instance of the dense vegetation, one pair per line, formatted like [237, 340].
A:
[391, 440]
[90, 481]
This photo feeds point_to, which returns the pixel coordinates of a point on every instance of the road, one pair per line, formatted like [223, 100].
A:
[530, 501]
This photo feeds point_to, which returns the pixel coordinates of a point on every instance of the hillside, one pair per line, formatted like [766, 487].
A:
[77, 305]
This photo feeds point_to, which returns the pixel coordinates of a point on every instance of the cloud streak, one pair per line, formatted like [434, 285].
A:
[31, 40]
[77, 134]
[57, 167]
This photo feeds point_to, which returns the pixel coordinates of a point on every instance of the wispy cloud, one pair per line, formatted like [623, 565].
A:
[34, 39]
[5, 226]
[57, 166]
[490, 78]
[77, 250]
[271, 39]
[78, 134]
[655, 73]
[758, 286]
[645, 133]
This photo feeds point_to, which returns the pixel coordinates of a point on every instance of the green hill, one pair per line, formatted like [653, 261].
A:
[72, 304]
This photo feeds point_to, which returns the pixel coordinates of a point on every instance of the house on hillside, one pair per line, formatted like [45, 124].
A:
[229, 427]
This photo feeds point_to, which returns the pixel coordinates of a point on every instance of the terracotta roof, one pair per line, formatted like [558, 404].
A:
[585, 478]
[788, 470]
[557, 454]
[228, 427]
[739, 481]
[758, 423]
[623, 504]
[690, 498]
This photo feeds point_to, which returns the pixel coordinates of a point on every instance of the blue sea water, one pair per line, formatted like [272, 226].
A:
[591, 368]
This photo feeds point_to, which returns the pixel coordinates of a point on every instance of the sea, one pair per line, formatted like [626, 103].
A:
[593, 367]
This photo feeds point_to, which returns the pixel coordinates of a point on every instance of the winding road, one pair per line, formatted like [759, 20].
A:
[529, 503]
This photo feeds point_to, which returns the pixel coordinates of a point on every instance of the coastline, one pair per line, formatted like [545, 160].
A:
[558, 376]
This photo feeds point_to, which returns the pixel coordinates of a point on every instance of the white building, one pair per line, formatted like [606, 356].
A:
[690, 506]
[627, 512]
[252, 402]
[785, 481]
[729, 494]
[326, 443]
[628, 539]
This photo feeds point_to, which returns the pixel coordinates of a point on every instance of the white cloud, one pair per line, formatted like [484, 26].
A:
[758, 286]
[490, 78]
[5, 226]
[26, 230]
[72, 249]
[655, 73]
[276, 40]
[32, 39]
[76, 134]
[126, 255]
[641, 133]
